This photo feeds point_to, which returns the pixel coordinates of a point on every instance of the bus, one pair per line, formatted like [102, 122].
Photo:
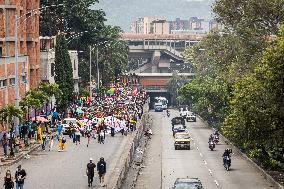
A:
[162, 100]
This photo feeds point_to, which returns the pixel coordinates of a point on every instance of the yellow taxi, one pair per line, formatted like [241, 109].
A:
[182, 140]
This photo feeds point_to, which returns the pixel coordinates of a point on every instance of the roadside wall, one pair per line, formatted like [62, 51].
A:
[117, 176]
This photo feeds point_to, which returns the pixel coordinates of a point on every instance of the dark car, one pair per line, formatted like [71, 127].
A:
[178, 128]
[188, 183]
[178, 120]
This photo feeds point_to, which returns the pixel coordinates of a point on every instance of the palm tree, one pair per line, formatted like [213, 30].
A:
[7, 115]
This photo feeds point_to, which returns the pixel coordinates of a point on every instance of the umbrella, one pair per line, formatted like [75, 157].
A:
[79, 111]
[41, 119]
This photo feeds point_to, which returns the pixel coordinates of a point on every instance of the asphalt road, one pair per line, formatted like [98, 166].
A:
[67, 170]
[163, 164]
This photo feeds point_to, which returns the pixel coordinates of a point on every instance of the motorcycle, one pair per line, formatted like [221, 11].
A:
[227, 162]
[216, 139]
[211, 145]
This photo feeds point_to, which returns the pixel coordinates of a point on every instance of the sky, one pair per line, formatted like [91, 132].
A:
[123, 12]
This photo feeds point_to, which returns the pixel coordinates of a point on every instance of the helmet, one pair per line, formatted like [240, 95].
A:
[102, 159]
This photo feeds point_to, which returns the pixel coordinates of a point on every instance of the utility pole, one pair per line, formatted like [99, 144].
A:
[91, 73]
[17, 103]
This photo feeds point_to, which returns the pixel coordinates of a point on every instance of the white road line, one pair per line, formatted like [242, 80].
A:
[210, 171]
[201, 154]
[216, 182]
[197, 148]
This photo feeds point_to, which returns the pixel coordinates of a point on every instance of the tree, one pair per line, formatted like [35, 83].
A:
[51, 90]
[256, 117]
[255, 17]
[34, 99]
[7, 115]
[63, 72]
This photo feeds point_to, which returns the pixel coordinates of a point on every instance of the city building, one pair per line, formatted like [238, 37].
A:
[214, 25]
[27, 44]
[137, 26]
[150, 25]
[179, 24]
[47, 58]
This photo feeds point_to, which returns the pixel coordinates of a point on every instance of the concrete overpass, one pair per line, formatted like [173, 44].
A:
[157, 57]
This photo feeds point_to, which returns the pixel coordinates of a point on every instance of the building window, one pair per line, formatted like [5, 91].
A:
[3, 83]
[23, 78]
[52, 67]
[75, 65]
[12, 81]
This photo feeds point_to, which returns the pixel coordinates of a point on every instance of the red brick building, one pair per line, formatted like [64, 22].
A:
[28, 48]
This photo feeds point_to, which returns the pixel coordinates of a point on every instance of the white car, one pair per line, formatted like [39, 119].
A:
[191, 117]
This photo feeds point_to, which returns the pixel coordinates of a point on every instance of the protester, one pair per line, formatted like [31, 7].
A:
[20, 177]
[90, 171]
[8, 180]
[101, 168]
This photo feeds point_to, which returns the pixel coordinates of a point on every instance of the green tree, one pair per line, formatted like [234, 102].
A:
[51, 90]
[256, 118]
[251, 17]
[33, 99]
[63, 72]
[7, 115]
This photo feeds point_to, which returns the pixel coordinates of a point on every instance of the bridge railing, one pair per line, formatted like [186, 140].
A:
[157, 47]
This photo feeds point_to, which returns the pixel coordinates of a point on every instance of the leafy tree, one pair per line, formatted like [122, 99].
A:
[34, 99]
[251, 17]
[256, 118]
[63, 72]
[7, 115]
[51, 90]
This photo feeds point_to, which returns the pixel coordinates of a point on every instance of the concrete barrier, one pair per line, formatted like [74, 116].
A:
[236, 149]
[115, 177]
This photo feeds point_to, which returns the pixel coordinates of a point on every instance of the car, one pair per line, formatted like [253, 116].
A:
[184, 112]
[158, 107]
[178, 120]
[178, 128]
[187, 183]
[191, 117]
[182, 140]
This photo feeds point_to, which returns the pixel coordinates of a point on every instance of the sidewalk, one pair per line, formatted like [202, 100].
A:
[18, 156]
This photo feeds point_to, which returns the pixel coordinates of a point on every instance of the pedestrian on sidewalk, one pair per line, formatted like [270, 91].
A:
[8, 180]
[90, 171]
[43, 140]
[101, 168]
[51, 142]
[20, 177]
[4, 144]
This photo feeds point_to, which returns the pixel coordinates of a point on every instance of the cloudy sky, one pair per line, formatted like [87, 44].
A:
[123, 12]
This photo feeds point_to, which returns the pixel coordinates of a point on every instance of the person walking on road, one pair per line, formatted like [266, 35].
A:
[43, 140]
[8, 180]
[51, 142]
[101, 168]
[90, 171]
[20, 176]
[89, 135]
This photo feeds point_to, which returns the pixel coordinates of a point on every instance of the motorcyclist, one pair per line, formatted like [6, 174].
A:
[211, 138]
[216, 132]
[226, 153]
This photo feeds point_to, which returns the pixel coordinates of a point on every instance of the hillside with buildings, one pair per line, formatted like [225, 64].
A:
[124, 12]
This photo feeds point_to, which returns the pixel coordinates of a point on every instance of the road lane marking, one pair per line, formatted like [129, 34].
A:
[216, 182]
[201, 154]
[205, 162]
[210, 171]
[197, 148]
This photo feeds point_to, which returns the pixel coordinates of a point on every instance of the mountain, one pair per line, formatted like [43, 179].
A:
[123, 12]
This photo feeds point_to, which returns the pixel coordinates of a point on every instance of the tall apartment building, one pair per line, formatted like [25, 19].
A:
[214, 25]
[179, 24]
[150, 25]
[27, 45]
